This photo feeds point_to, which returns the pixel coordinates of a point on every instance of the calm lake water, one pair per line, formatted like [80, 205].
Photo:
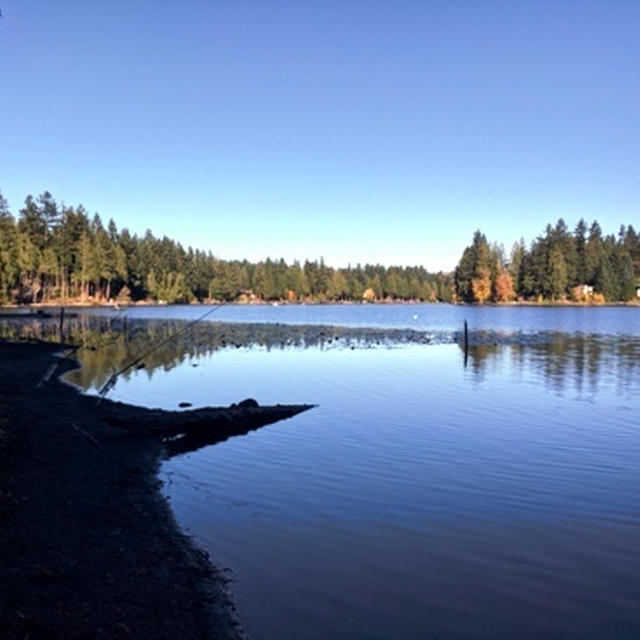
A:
[421, 498]
[430, 317]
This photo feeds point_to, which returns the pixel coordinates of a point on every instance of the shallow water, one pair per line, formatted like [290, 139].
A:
[430, 317]
[436, 317]
[421, 497]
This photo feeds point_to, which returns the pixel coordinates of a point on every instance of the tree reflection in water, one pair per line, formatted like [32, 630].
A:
[576, 361]
[579, 362]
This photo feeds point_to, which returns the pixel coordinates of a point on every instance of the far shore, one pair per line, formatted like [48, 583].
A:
[74, 304]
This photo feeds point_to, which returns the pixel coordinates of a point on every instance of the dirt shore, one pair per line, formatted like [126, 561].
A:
[88, 546]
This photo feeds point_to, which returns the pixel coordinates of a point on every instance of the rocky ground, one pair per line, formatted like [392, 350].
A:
[88, 546]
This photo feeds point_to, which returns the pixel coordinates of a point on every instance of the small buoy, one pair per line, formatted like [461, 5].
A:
[415, 316]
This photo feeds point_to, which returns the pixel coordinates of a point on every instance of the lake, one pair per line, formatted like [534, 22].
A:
[428, 495]
[429, 317]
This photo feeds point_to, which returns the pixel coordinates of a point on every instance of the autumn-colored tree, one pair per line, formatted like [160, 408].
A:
[369, 295]
[504, 286]
[481, 286]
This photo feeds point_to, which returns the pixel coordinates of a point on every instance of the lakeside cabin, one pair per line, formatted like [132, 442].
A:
[586, 290]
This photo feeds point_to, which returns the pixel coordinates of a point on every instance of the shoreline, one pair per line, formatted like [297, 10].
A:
[89, 546]
[560, 304]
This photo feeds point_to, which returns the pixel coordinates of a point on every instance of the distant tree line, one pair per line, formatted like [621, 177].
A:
[58, 253]
[578, 265]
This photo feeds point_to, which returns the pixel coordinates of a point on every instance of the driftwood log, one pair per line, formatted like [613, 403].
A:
[185, 431]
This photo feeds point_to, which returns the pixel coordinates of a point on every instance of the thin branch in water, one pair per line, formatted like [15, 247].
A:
[47, 374]
[84, 433]
[112, 380]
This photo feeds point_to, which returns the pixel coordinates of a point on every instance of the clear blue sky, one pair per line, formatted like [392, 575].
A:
[360, 131]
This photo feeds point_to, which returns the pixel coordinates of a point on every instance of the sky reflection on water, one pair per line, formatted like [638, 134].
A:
[423, 499]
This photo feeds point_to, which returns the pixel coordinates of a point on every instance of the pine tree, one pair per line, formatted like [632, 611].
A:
[627, 279]
[8, 251]
[604, 280]
[593, 252]
[337, 289]
[474, 265]
[582, 272]
[516, 265]
[557, 279]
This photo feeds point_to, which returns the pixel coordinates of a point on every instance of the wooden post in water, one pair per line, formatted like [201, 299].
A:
[61, 324]
[466, 342]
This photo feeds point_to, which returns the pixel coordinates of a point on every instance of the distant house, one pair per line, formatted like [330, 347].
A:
[586, 290]
[582, 293]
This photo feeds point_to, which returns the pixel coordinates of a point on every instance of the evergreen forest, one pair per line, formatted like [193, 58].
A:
[582, 265]
[54, 253]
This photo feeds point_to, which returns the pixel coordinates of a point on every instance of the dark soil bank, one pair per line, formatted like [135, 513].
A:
[88, 546]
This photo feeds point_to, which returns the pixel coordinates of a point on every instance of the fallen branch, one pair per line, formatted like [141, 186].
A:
[84, 433]
[47, 374]
[190, 430]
